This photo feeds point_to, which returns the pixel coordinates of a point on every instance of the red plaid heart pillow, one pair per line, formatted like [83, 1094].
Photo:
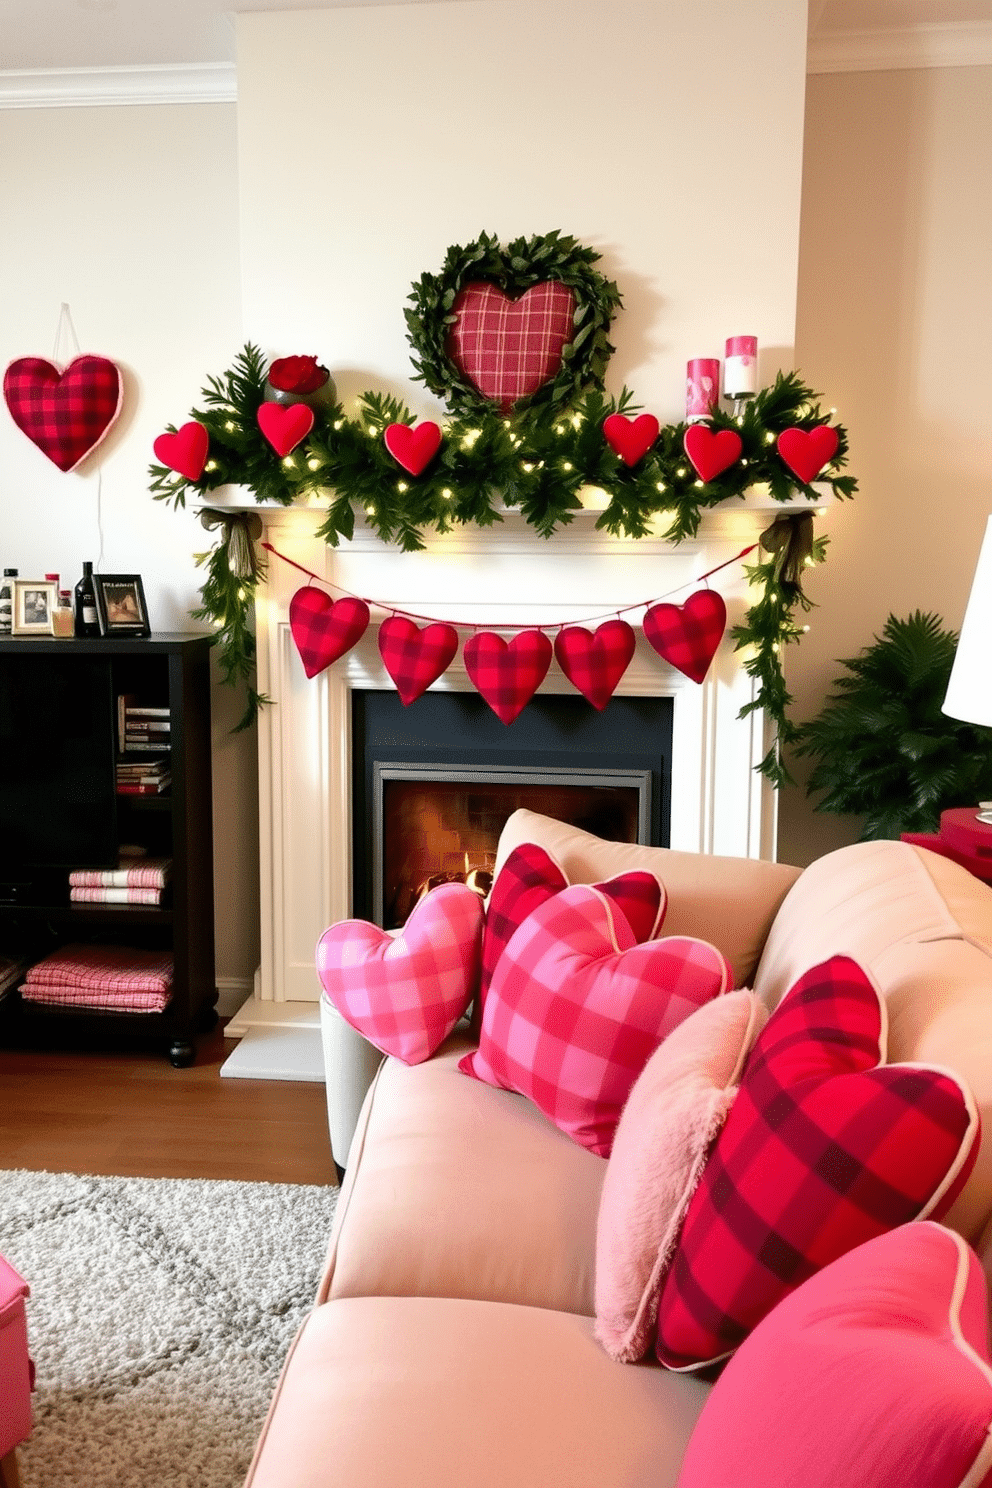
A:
[406, 992]
[510, 348]
[530, 876]
[576, 1008]
[66, 413]
[825, 1147]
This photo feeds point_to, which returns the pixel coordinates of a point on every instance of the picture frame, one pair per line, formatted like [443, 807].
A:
[120, 605]
[33, 604]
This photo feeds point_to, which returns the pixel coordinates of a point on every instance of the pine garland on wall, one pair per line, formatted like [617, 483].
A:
[500, 449]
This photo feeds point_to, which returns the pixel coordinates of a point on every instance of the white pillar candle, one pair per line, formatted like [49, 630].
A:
[740, 369]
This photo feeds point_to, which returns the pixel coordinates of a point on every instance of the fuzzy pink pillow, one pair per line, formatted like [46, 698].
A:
[674, 1114]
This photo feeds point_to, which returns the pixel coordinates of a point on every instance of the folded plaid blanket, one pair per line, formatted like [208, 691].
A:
[118, 1001]
[104, 969]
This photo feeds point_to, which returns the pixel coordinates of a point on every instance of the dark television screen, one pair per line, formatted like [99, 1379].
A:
[57, 801]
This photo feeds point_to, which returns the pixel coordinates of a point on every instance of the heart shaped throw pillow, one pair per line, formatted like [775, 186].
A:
[687, 636]
[65, 413]
[576, 1008]
[507, 674]
[530, 876]
[595, 661]
[406, 992]
[510, 348]
[324, 629]
[415, 658]
[826, 1146]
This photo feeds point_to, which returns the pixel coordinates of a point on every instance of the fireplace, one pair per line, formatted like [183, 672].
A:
[432, 785]
[705, 793]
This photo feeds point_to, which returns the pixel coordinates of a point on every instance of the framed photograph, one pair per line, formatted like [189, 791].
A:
[32, 606]
[120, 605]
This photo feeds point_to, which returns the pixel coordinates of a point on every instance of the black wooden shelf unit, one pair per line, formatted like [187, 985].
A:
[60, 809]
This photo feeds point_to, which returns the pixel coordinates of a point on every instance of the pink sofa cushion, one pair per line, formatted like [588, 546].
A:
[406, 992]
[875, 1371]
[675, 1111]
[576, 1008]
[825, 1147]
[531, 875]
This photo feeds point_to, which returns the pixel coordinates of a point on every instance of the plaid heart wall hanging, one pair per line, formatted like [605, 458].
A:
[64, 412]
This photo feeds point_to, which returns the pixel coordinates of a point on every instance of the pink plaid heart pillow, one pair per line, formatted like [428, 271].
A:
[531, 875]
[825, 1147]
[576, 1008]
[406, 992]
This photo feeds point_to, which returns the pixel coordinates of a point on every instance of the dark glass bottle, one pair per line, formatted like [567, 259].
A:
[84, 603]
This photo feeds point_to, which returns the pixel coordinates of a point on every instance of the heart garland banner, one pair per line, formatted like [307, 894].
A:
[508, 673]
[66, 412]
[415, 658]
[594, 662]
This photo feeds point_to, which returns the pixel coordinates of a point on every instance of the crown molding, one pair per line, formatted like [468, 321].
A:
[950, 44]
[95, 87]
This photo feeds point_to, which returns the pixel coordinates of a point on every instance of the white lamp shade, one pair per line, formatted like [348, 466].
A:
[969, 691]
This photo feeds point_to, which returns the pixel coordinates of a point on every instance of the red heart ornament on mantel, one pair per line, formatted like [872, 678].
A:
[687, 636]
[325, 629]
[285, 425]
[594, 661]
[806, 451]
[415, 658]
[630, 438]
[510, 348]
[66, 413]
[711, 451]
[413, 445]
[507, 674]
[185, 451]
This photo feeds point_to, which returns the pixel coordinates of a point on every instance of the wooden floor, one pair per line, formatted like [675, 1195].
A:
[135, 1116]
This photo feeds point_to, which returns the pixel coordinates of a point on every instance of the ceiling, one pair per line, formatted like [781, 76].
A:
[50, 34]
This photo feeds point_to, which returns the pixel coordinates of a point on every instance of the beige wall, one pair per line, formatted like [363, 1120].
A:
[373, 138]
[894, 327]
[130, 216]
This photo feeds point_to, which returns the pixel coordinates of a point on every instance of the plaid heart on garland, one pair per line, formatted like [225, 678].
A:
[415, 658]
[687, 636]
[507, 674]
[324, 629]
[595, 661]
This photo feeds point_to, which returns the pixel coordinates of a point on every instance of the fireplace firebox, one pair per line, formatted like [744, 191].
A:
[433, 785]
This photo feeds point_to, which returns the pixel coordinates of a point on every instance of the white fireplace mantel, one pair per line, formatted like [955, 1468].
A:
[503, 576]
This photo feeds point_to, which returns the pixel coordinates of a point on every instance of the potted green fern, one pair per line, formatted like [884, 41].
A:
[883, 748]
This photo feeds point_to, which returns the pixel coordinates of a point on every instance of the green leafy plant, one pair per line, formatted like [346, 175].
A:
[883, 748]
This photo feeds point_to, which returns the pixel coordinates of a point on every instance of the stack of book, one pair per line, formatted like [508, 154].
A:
[138, 881]
[143, 777]
[141, 729]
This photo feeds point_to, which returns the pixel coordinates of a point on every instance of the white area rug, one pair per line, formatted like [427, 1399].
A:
[161, 1311]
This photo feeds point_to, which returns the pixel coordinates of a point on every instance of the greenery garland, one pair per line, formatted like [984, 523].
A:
[534, 461]
[515, 269]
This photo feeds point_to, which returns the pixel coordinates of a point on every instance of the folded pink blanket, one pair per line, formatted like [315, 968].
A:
[116, 1000]
[104, 969]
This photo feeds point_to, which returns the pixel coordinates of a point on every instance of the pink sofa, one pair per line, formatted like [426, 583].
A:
[452, 1343]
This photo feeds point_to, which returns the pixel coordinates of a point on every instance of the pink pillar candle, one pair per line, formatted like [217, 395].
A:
[702, 388]
[740, 370]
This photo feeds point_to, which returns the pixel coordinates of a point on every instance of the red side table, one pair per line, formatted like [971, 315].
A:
[963, 838]
[15, 1373]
